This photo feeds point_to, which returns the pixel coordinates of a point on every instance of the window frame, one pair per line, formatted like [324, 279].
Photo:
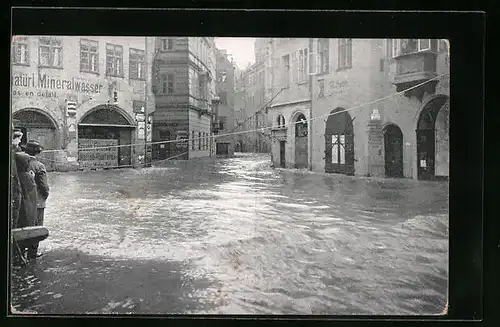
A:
[286, 70]
[323, 56]
[90, 43]
[16, 43]
[344, 54]
[167, 84]
[193, 147]
[133, 56]
[419, 41]
[52, 41]
[115, 59]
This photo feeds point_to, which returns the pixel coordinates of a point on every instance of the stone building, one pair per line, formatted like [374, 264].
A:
[364, 122]
[289, 87]
[184, 88]
[76, 92]
[225, 109]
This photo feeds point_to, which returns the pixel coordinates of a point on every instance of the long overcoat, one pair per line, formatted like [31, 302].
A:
[28, 208]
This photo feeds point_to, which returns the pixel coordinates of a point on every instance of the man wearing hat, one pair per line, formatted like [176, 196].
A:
[33, 148]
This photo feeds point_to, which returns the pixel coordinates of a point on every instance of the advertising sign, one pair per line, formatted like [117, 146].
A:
[141, 129]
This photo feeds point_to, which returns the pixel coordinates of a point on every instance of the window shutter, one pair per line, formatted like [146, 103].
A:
[318, 63]
[294, 68]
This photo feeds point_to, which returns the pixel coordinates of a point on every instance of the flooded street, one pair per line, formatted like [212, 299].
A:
[235, 236]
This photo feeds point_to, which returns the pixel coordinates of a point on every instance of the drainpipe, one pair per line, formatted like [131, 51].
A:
[309, 132]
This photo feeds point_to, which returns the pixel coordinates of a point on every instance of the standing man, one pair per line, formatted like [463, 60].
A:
[34, 148]
[15, 186]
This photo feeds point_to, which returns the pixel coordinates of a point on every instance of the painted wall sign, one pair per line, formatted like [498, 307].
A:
[337, 87]
[43, 81]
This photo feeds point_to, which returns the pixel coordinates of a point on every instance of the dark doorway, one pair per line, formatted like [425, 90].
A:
[426, 139]
[339, 143]
[282, 154]
[164, 148]
[301, 157]
[393, 145]
[39, 127]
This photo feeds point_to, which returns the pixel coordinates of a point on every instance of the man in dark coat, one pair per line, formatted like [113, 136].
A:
[15, 189]
[15, 186]
[34, 148]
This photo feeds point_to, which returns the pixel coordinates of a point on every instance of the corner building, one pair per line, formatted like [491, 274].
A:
[288, 85]
[378, 107]
[76, 92]
[184, 87]
[381, 130]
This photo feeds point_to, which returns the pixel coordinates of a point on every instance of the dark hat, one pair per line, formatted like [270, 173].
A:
[17, 133]
[33, 147]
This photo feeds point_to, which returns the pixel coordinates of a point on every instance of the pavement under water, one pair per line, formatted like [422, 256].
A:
[234, 236]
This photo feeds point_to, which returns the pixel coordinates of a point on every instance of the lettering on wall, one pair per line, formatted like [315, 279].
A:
[337, 87]
[44, 85]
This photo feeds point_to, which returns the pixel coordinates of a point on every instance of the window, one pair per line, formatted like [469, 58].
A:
[167, 84]
[321, 85]
[137, 62]
[395, 48]
[407, 46]
[114, 60]
[281, 121]
[192, 141]
[301, 126]
[324, 51]
[338, 149]
[345, 53]
[443, 46]
[20, 51]
[286, 70]
[89, 56]
[199, 140]
[382, 63]
[167, 44]
[50, 52]
[303, 66]
[424, 44]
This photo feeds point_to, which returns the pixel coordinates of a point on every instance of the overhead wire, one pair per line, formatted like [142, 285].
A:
[212, 137]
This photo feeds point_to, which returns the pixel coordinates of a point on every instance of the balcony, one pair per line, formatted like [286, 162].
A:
[413, 69]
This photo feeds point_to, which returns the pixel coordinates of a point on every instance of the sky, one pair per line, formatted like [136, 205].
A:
[240, 48]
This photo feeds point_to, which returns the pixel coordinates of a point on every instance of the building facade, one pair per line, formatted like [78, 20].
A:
[184, 88]
[225, 145]
[290, 109]
[76, 92]
[378, 108]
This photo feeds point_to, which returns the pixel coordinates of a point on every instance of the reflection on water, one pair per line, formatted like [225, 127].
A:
[235, 236]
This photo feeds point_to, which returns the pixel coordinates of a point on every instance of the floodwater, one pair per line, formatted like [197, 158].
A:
[234, 236]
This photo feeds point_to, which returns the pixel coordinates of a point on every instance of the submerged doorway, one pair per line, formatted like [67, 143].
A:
[301, 156]
[339, 143]
[393, 145]
[282, 154]
[433, 140]
[105, 138]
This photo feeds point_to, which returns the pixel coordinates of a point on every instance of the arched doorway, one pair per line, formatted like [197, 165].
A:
[105, 130]
[433, 140]
[38, 126]
[300, 128]
[393, 146]
[339, 143]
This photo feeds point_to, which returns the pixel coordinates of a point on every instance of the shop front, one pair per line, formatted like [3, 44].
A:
[105, 138]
